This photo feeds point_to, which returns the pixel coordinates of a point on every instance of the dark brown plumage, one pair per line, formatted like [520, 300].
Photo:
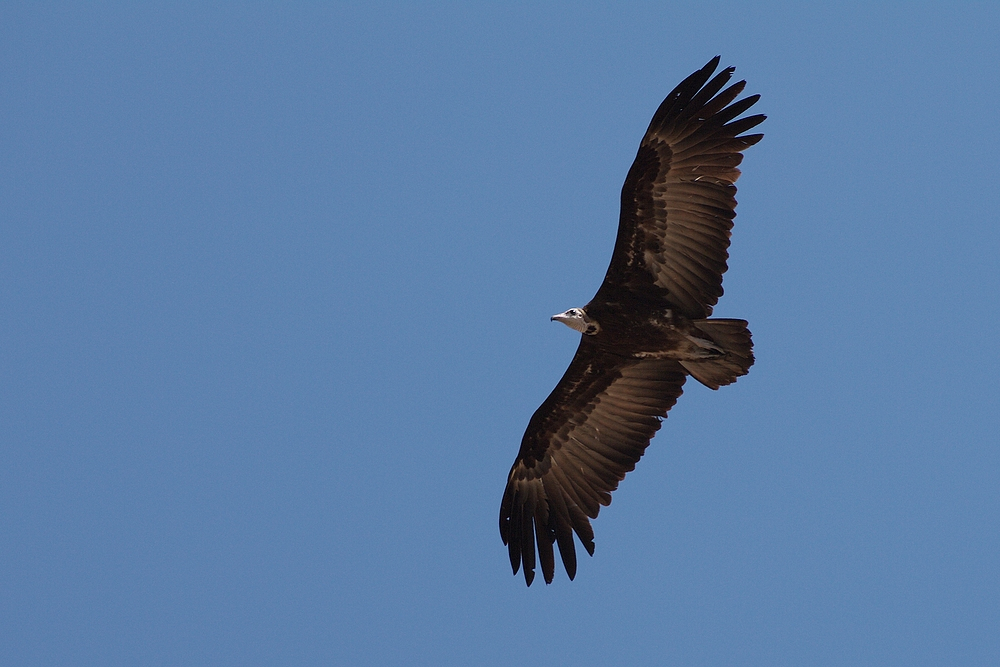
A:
[644, 331]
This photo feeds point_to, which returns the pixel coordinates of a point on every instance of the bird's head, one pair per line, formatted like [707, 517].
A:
[576, 318]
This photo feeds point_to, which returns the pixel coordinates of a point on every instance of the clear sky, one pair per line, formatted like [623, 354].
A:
[275, 287]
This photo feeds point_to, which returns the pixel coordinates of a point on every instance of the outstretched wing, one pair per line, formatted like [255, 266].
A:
[679, 198]
[589, 432]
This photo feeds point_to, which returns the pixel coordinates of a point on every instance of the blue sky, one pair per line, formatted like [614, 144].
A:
[274, 296]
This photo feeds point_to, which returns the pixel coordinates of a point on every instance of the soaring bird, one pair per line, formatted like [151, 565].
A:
[645, 330]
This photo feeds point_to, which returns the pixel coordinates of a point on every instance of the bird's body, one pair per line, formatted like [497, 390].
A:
[632, 328]
[645, 330]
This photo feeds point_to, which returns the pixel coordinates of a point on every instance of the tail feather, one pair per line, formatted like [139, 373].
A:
[732, 336]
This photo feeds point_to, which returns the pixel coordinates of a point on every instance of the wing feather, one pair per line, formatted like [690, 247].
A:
[578, 447]
[679, 197]
[563, 523]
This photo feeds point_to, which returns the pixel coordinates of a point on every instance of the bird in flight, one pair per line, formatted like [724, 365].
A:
[645, 330]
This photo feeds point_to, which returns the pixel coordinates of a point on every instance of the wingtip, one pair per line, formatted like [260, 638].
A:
[712, 64]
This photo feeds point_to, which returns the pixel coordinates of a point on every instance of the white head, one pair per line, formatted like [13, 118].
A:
[576, 318]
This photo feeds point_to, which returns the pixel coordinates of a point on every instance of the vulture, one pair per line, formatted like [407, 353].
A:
[646, 329]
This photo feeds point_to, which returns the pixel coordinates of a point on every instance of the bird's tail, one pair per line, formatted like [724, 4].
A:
[733, 337]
